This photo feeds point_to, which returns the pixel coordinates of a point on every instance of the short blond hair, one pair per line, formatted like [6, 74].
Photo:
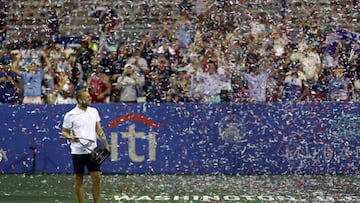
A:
[79, 94]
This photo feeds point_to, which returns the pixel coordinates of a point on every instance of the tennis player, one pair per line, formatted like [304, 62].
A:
[82, 124]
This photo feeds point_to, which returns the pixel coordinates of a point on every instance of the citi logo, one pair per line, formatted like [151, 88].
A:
[132, 136]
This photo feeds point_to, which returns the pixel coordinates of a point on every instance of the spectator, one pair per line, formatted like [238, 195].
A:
[339, 86]
[238, 89]
[53, 23]
[198, 43]
[147, 46]
[311, 30]
[107, 18]
[356, 91]
[154, 89]
[257, 26]
[56, 57]
[208, 85]
[113, 65]
[257, 79]
[128, 84]
[312, 68]
[181, 86]
[140, 66]
[32, 78]
[329, 59]
[77, 75]
[99, 85]
[90, 43]
[64, 89]
[295, 85]
[163, 71]
[183, 30]
[85, 55]
[3, 26]
[166, 49]
[280, 40]
[310, 60]
[165, 33]
[8, 82]
[200, 8]
[356, 4]
[193, 66]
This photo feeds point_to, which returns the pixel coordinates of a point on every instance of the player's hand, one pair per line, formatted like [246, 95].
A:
[74, 139]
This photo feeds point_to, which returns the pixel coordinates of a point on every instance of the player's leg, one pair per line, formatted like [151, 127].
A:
[95, 173]
[79, 167]
[96, 185]
[79, 187]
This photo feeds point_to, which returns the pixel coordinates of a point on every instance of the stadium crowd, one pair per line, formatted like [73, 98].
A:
[206, 55]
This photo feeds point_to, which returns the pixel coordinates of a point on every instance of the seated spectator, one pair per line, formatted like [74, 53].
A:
[32, 78]
[8, 82]
[99, 86]
[128, 84]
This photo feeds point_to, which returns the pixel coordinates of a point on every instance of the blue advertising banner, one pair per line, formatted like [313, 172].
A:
[193, 138]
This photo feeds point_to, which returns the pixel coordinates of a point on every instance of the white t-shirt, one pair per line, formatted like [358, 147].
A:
[257, 86]
[310, 62]
[127, 86]
[83, 125]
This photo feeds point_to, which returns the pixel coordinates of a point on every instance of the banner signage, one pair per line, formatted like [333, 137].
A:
[192, 138]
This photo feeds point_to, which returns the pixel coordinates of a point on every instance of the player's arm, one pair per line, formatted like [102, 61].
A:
[101, 135]
[66, 134]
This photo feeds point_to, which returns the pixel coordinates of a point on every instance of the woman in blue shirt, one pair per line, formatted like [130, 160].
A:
[32, 79]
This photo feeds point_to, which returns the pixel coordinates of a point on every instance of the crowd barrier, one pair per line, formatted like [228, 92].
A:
[192, 138]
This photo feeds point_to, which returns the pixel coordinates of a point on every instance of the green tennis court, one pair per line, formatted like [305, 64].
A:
[31, 188]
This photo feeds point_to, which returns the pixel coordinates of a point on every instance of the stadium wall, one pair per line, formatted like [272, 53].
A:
[192, 138]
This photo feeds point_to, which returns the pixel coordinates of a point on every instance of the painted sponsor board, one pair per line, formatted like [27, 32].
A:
[193, 138]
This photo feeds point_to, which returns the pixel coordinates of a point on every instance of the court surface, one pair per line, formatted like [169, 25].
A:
[31, 188]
